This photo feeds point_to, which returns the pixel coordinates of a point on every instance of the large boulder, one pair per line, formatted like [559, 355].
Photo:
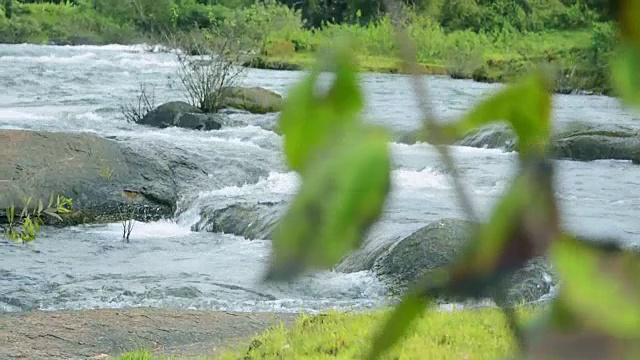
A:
[92, 171]
[439, 244]
[95, 171]
[181, 114]
[398, 261]
[249, 220]
[256, 100]
[605, 142]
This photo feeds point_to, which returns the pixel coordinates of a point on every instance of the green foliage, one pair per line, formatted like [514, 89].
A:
[325, 115]
[340, 160]
[597, 279]
[626, 67]
[41, 23]
[25, 226]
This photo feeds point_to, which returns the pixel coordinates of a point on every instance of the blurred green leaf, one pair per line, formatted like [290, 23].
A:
[525, 105]
[309, 120]
[625, 74]
[398, 323]
[600, 284]
[625, 67]
[341, 196]
[628, 16]
[559, 333]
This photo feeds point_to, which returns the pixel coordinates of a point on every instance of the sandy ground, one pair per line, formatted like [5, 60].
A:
[98, 334]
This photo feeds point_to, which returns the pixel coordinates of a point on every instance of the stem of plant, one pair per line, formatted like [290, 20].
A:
[408, 56]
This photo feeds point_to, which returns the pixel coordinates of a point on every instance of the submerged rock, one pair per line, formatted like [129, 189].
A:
[583, 143]
[397, 263]
[493, 136]
[249, 220]
[181, 114]
[438, 244]
[256, 100]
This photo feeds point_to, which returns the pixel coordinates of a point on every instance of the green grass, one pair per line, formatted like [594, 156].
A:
[464, 334]
[496, 57]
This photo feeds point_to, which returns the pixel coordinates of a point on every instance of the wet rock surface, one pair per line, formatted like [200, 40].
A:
[104, 333]
[437, 245]
[181, 114]
[249, 220]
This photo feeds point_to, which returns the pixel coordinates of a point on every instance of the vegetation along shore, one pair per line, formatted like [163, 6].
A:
[489, 41]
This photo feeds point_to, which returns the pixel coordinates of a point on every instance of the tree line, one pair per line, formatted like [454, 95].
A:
[476, 15]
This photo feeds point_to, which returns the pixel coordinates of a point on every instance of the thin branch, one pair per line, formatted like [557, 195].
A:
[408, 56]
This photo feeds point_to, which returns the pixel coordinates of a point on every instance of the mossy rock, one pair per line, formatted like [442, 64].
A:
[256, 100]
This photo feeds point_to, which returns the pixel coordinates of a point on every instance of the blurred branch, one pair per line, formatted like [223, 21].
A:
[408, 56]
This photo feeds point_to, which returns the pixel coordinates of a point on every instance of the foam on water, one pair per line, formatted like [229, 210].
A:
[142, 230]
[275, 183]
[404, 179]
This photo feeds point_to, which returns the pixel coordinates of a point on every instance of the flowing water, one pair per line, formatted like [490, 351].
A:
[80, 89]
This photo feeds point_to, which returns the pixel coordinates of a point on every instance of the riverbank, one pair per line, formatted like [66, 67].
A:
[480, 333]
[149, 333]
[104, 333]
[578, 56]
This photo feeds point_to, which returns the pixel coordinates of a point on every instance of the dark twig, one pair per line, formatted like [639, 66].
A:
[408, 56]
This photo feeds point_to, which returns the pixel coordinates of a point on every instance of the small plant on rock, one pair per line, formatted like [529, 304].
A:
[106, 173]
[128, 213]
[145, 102]
[23, 227]
[207, 67]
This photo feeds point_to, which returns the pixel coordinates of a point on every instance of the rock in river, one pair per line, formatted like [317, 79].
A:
[398, 263]
[249, 220]
[91, 170]
[438, 244]
[256, 100]
[181, 114]
[582, 143]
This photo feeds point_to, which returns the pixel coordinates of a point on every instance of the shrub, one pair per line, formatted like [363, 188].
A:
[145, 102]
[207, 66]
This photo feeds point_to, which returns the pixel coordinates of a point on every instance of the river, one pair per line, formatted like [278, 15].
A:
[81, 89]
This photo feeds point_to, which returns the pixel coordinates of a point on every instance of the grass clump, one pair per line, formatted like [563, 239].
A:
[462, 334]
[468, 334]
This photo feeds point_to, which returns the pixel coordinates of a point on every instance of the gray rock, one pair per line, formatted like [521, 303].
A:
[92, 171]
[491, 137]
[599, 143]
[585, 143]
[249, 220]
[437, 245]
[256, 100]
[181, 114]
